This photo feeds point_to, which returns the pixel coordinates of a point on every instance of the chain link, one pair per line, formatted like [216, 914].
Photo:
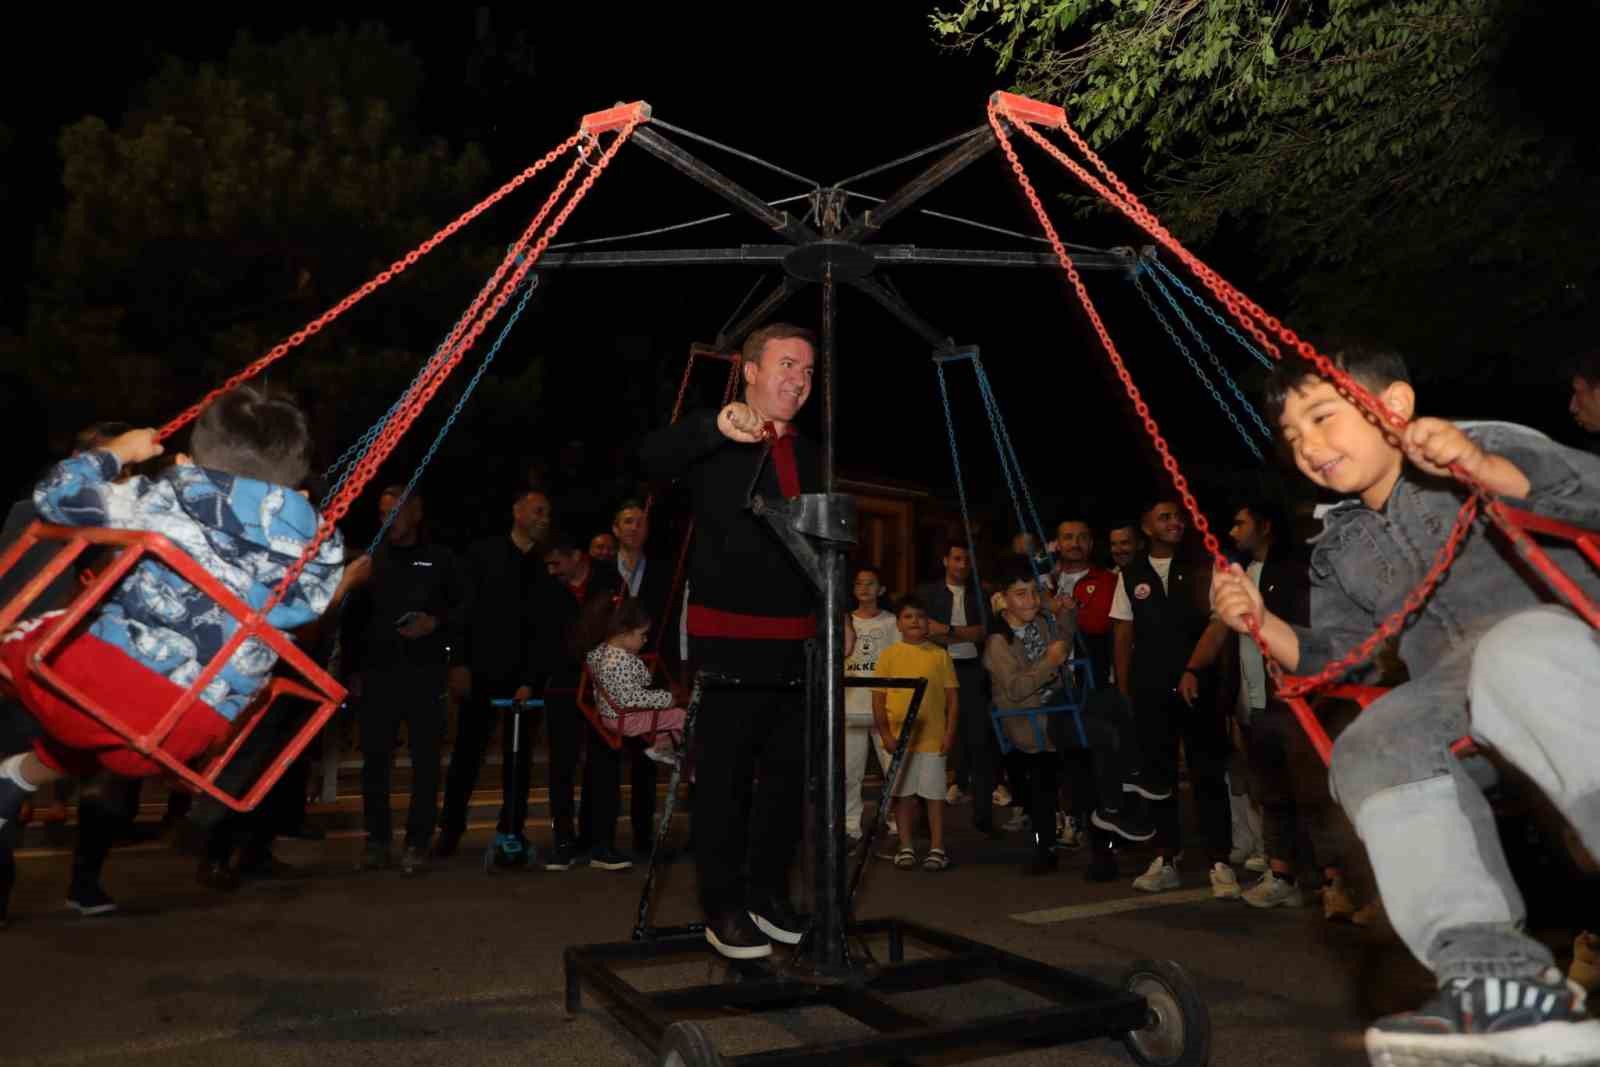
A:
[1199, 372]
[1201, 303]
[1216, 363]
[961, 492]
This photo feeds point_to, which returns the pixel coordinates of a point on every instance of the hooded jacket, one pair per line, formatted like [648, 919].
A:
[245, 533]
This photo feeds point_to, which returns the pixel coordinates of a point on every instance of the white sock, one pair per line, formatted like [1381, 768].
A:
[11, 768]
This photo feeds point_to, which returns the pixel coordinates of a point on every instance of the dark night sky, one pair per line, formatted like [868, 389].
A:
[831, 91]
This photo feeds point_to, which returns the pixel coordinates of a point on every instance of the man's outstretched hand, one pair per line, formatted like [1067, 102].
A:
[739, 422]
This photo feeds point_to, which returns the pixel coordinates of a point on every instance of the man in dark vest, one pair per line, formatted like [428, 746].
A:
[751, 610]
[1159, 612]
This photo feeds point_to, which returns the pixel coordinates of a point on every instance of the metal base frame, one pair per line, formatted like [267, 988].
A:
[1082, 1008]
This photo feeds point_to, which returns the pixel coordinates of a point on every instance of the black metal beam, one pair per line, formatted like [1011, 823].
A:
[885, 255]
[902, 311]
[782, 222]
[947, 167]
[760, 313]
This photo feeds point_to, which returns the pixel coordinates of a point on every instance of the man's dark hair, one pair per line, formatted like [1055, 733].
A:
[1264, 510]
[522, 494]
[98, 433]
[1585, 365]
[756, 343]
[1374, 367]
[254, 431]
[626, 505]
[1125, 524]
[1155, 502]
[910, 600]
[566, 542]
[954, 543]
[1077, 520]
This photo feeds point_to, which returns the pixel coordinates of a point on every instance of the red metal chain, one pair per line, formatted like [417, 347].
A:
[316, 325]
[367, 466]
[1253, 318]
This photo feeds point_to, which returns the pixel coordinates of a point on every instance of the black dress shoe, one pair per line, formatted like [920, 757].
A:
[735, 936]
[774, 917]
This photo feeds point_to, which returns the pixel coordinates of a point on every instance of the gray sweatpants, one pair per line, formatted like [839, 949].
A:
[1531, 681]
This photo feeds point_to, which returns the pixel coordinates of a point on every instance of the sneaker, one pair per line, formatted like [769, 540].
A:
[1160, 876]
[1499, 1021]
[607, 858]
[1257, 864]
[664, 754]
[955, 795]
[1001, 796]
[893, 827]
[1144, 786]
[214, 874]
[510, 853]
[1102, 866]
[375, 857]
[90, 899]
[1224, 883]
[736, 936]
[414, 860]
[1070, 835]
[1274, 892]
[1019, 821]
[780, 922]
[446, 844]
[561, 857]
[1125, 824]
[1337, 904]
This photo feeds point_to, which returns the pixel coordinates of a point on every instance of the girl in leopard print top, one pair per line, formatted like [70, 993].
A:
[614, 632]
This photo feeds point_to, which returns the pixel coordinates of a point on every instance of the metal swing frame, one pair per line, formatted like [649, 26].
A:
[819, 529]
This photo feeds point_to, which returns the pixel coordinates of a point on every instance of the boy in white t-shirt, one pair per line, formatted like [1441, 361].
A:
[875, 630]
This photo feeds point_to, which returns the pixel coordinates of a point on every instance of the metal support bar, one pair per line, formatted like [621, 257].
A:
[883, 255]
[902, 311]
[770, 994]
[947, 167]
[782, 222]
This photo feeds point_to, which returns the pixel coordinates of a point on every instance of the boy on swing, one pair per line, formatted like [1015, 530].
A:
[1488, 655]
[233, 509]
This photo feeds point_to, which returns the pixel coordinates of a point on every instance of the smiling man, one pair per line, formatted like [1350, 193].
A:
[750, 611]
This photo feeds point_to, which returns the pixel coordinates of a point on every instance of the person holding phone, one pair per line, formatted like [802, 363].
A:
[398, 632]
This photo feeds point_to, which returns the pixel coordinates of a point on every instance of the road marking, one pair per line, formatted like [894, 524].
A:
[1111, 907]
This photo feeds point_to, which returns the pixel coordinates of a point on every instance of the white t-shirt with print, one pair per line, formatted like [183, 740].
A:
[958, 617]
[872, 637]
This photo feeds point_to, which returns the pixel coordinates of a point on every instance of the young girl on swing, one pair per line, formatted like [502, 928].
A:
[613, 632]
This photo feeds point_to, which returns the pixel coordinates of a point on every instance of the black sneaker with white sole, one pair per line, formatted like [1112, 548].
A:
[736, 936]
[774, 917]
[1125, 824]
[1491, 1022]
[90, 899]
[1145, 786]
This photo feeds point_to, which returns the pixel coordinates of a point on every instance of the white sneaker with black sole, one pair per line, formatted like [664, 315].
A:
[1274, 892]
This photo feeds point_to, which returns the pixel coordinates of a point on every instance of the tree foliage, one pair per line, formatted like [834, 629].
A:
[233, 202]
[1395, 159]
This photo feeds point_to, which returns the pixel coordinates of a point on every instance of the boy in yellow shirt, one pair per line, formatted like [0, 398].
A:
[922, 774]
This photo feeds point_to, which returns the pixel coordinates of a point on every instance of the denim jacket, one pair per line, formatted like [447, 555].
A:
[1368, 561]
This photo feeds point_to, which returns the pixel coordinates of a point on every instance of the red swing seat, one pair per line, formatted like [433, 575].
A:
[610, 730]
[314, 685]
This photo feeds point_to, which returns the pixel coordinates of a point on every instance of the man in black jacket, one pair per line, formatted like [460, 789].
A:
[573, 583]
[751, 610]
[502, 574]
[398, 629]
[1159, 612]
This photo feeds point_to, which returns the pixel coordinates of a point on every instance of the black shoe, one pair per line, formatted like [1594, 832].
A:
[445, 845]
[216, 875]
[1503, 1021]
[774, 917]
[737, 937]
[90, 899]
[1147, 786]
[1102, 861]
[1124, 823]
[264, 864]
[561, 857]
[606, 858]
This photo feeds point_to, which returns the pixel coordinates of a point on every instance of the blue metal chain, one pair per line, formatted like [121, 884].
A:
[993, 406]
[1200, 339]
[1244, 435]
[529, 285]
[1216, 316]
[961, 492]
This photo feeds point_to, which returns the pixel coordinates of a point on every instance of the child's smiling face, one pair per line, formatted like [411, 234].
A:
[1337, 446]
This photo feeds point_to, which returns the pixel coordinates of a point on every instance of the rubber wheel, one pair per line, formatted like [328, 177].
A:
[686, 1045]
[1179, 1031]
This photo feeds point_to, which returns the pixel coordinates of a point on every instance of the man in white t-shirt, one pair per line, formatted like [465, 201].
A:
[956, 621]
[875, 630]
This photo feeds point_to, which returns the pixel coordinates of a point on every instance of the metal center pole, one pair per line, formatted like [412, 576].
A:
[826, 755]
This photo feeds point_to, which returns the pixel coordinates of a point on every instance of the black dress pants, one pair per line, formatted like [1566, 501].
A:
[413, 695]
